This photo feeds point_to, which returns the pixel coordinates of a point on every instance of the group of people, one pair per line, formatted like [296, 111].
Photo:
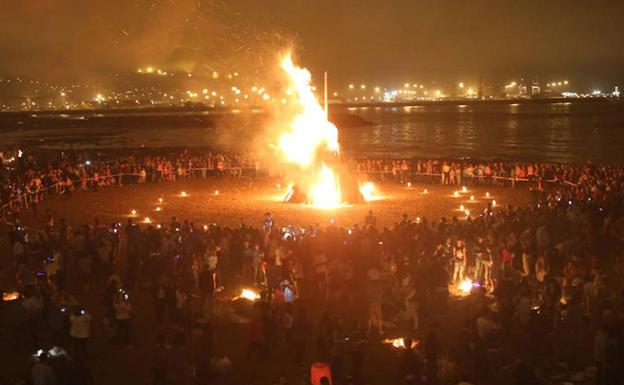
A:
[470, 172]
[543, 300]
[27, 177]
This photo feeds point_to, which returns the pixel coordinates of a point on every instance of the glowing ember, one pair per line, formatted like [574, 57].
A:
[248, 294]
[399, 343]
[494, 203]
[409, 184]
[456, 194]
[461, 207]
[158, 209]
[160, 200]
[487, 194]
[465, 286]
[278, 185]
[425, 191]
[147, 220]
[183, 194]
[464, 189]
[216, 192]
[133, 212]
[472, 197]
[12, 296]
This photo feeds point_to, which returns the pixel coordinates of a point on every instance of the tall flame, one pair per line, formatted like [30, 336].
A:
[325, 190]
[309, 129]
[309, 138]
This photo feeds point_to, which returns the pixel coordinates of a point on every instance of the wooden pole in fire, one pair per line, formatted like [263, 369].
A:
[325, 95]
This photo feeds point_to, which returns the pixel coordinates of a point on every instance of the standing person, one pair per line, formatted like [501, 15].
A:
[80, 332]
[446, 173]
[459, 257]
[432, 348]
[479, 250]
[161, 362]
[410, 366]
[411, 305]
[257, 257]
[123, 312]
[301, 333]
[255, 336]
[42, 373]
[287, 326]
[370, 220]
[160, 300]
[488, 263]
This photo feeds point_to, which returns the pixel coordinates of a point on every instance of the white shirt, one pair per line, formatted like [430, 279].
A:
[80, 326]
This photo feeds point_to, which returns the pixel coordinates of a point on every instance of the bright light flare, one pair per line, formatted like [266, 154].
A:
[248, 294]
[369, 191]
[11, 296]
[465, 286]
[325, 191]
[309, 129]
[399, 343]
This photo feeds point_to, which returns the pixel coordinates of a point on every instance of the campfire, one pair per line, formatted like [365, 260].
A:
[11, 296]
[399, 343]
[247, 294]
[309, 142]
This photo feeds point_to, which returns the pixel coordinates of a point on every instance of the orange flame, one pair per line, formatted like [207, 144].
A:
[308, 135]
[12, 296]
[309, 130]
[399, 343]
[248, 294]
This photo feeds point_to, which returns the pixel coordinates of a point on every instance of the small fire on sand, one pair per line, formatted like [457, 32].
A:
[399, 343]
[309, 141]
[247, 294]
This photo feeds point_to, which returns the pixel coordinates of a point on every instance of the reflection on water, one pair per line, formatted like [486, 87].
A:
[561, 132]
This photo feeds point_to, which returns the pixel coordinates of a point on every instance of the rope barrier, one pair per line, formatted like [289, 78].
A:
[239, 170]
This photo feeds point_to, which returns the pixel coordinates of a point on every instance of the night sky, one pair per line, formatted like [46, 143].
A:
[357, 41]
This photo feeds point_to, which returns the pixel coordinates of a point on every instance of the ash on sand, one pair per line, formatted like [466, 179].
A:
[230, 201]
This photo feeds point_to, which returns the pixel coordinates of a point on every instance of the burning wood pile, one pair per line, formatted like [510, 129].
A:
[309, 142]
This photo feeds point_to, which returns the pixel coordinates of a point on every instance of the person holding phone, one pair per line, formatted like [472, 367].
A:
[80, 332]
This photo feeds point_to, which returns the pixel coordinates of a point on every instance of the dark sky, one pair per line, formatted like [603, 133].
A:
[356, 40]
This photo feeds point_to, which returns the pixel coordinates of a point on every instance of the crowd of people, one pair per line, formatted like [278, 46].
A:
[25, 178]
[544, 302]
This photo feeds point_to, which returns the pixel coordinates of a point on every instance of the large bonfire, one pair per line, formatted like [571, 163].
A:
[309, 142]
